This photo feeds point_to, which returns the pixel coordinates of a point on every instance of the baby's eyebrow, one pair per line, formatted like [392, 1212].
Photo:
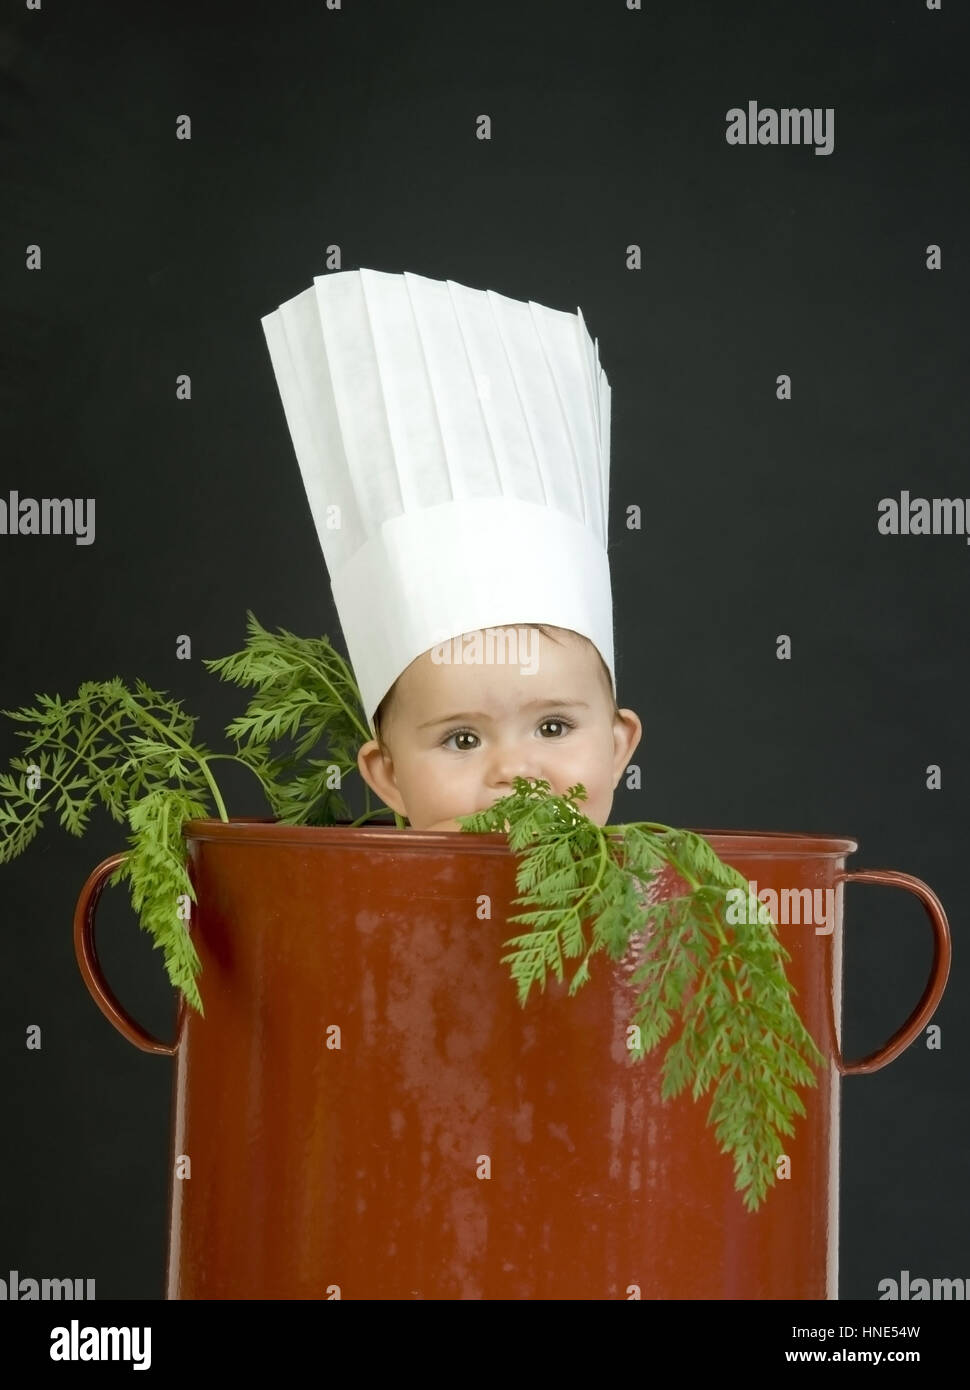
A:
[532, 704]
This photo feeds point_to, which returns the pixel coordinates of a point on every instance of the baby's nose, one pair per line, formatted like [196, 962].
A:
[512, 763]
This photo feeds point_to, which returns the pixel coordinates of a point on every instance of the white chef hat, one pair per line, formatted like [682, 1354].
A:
[454, 447]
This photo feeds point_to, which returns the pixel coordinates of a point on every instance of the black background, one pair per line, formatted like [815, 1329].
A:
[355, 128]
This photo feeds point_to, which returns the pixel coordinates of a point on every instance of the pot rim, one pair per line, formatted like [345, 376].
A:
[256, 830]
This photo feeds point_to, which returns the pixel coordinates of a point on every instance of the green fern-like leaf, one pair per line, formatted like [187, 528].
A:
[724, 985]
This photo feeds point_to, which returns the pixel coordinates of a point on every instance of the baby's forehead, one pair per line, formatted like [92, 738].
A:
[511, 684]
[479, 659]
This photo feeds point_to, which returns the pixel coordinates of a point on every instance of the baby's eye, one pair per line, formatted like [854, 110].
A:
[466, 733]
[562, 724]
[460, 733]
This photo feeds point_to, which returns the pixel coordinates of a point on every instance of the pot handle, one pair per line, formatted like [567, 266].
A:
[87, 959]
[933, 992]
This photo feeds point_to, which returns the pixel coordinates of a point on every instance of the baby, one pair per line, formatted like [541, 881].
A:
[451, 738]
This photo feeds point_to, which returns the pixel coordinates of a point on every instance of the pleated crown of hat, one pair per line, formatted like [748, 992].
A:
[454, 448]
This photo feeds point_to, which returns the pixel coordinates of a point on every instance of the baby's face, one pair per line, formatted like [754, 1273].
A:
[458, 735]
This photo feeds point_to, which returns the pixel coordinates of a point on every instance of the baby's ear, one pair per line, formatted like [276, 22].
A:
[377, 770]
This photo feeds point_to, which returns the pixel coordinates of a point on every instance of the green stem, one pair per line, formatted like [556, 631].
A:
[193, 753]
[369, 815]
[223, 814]
[361, 728]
